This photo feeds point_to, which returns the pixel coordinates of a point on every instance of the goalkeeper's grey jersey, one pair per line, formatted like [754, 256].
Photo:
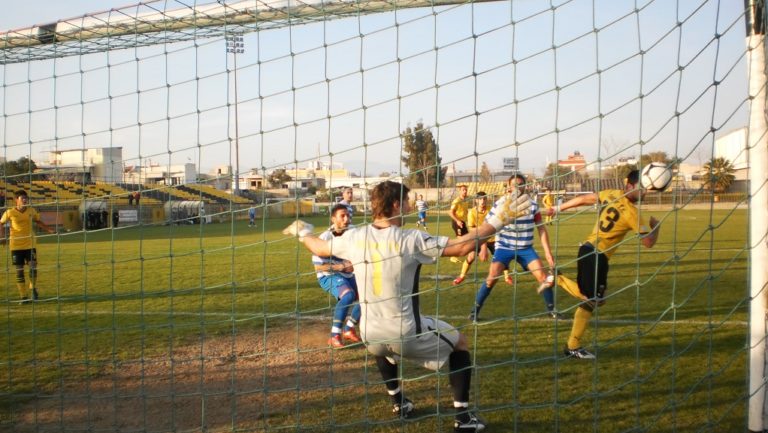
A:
[387, 263]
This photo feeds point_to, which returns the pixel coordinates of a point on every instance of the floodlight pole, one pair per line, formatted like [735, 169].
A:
[757, 143]
[235, 45]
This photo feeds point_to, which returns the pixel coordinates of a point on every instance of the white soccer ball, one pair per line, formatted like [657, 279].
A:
[656, 176]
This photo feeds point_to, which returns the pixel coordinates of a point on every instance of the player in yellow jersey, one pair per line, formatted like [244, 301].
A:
[475, 218]
[618, 216]
[22, 242]
[548, 201]
[458, 213]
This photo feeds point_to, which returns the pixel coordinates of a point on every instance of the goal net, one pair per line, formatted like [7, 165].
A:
[168, 143]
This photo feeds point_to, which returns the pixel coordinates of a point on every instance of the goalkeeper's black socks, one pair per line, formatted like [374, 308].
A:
[462, 411]
[391, 380]
[460, 375]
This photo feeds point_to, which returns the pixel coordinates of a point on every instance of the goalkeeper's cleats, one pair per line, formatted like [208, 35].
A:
[403, 409]
[335, 342]
[458, 280]
[472, 423]
[35, 295]
[351, 335]
[579, 353]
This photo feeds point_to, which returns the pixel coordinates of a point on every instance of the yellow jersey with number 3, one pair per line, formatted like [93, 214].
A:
[22, 233]
[618, 216]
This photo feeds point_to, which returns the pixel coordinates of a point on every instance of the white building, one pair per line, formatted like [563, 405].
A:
[97, 164]
[733, 147]
[160, 174]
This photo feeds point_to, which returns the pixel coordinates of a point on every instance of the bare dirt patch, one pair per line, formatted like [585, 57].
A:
[249, 381]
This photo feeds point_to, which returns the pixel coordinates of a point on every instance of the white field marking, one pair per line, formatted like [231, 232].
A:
[319, 317]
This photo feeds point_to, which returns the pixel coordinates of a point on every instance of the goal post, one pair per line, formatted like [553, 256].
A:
[758, 160]
[150, 23]
[214, 320]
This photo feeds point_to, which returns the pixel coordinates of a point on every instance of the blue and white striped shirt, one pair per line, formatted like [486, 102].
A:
[318, 261]
[519, 234]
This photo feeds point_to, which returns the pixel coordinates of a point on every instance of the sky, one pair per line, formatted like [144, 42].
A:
[492, 81]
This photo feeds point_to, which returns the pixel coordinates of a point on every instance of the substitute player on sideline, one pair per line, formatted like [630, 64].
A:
[23, 242]
[618, 216]
[335, 277]
[387, 260]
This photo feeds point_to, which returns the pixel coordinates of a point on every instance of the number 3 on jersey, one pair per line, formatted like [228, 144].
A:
[608, 218]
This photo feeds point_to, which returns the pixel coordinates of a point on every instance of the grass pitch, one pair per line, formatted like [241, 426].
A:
[222, 327]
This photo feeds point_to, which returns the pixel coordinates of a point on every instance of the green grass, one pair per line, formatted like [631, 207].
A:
[671, 340]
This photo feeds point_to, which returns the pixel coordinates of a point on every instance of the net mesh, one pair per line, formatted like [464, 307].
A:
[170, 142]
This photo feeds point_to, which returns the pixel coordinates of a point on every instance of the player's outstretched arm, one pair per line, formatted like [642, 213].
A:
[303, 231]
[582, 200]
[650, 239]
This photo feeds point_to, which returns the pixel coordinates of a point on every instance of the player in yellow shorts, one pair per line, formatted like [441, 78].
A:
[22, 238]
[618, 216]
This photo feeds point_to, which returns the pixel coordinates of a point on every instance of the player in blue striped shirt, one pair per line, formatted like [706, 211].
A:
[421, 207]
[515, 242]
[336, 277]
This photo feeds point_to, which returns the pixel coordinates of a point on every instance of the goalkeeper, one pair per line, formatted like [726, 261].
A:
[22, 236]
[618, 215]
[387, 260]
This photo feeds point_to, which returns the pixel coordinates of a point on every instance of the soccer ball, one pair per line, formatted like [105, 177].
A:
[656, 176]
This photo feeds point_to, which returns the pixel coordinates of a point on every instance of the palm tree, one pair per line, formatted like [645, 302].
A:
[718, 174]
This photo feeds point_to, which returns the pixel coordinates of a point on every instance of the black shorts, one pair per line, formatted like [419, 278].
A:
[22, 257]
[491, 245]
[459, 231]
[592, 274]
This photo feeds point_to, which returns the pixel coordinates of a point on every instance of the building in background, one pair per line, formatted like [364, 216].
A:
[733, 147]
[574, 162]
[158, 174]
[104, 164]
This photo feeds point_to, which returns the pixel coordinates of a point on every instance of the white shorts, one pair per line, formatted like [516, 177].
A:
[431, 348]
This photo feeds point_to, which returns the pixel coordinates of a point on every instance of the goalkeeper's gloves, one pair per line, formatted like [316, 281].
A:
[299, 229]
[510, 207]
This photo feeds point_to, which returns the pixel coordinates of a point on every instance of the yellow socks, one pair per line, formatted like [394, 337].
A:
[570, 286]
[22, 289]
[464, 268]
[580, 322]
